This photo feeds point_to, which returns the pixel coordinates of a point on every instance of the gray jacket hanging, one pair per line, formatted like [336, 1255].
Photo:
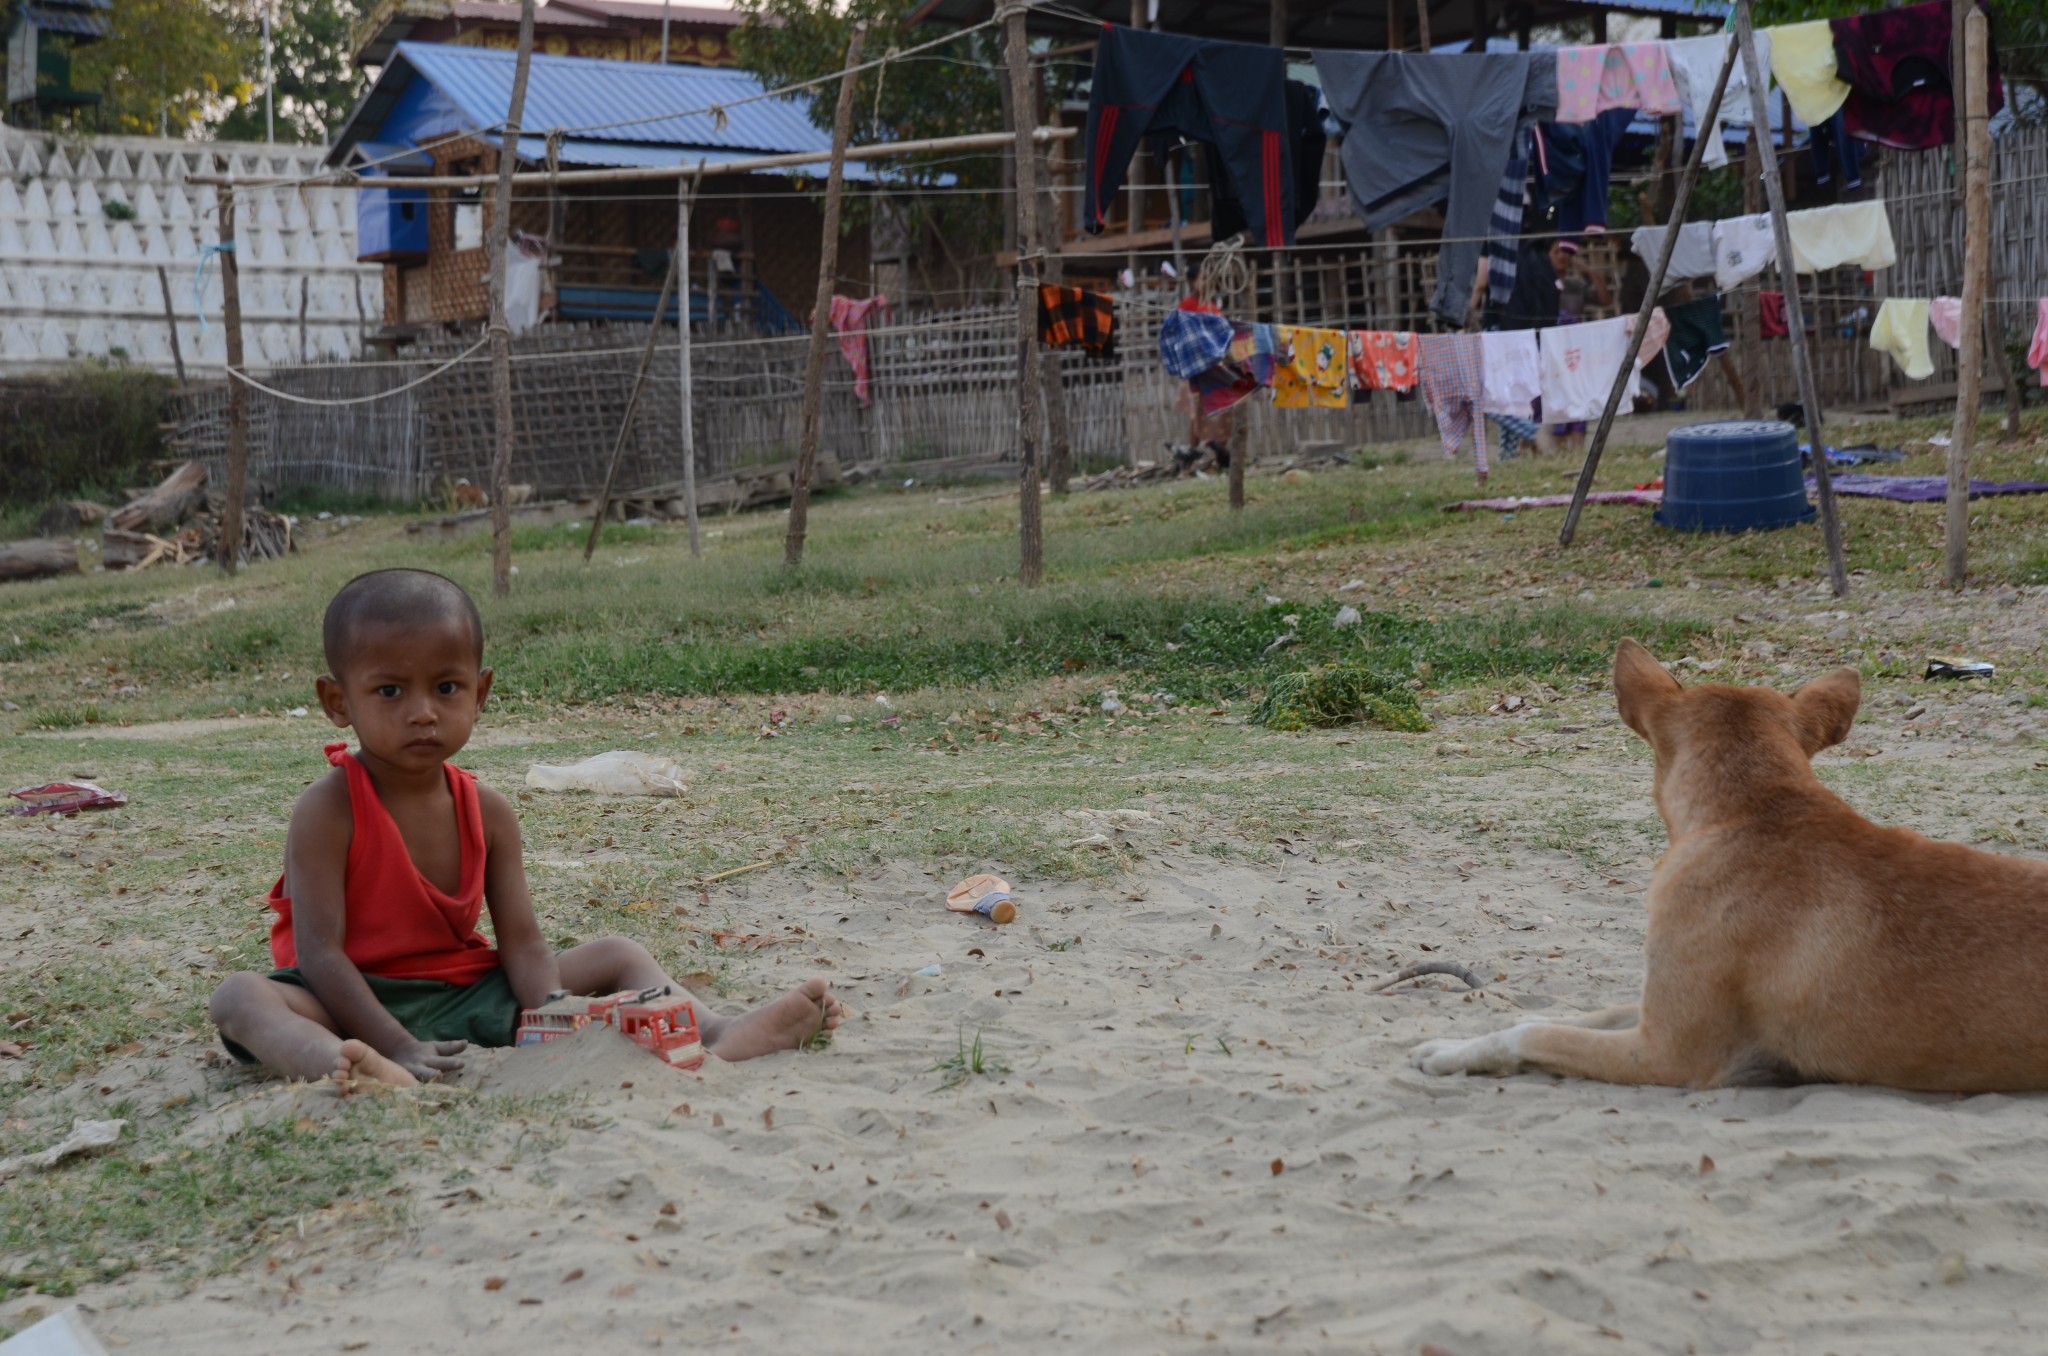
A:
[1423, 128]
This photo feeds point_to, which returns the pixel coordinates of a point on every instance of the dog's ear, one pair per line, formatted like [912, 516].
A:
[1825, 708]
[1640, 686]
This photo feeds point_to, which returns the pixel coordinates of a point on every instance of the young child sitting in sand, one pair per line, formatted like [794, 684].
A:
[391, 857]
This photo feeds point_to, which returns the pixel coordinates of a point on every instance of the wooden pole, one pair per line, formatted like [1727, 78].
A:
[163, 281]
[501, 333]
[1795, 319]
[1748, 327]
[1397, 37]
[1625, 379]
[1031, 239]
[1059, 459]
[230, 546]
[305, 296]
[676, 265]
[1976, 256]
[1422, 25]
[821, 315]
[1240, 441]
[1961, 77]
[686, 190]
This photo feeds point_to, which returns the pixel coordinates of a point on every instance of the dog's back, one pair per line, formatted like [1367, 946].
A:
[1858, 953]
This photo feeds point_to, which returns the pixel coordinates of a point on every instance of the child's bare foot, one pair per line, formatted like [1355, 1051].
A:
[357, 1063]
[780, 1024]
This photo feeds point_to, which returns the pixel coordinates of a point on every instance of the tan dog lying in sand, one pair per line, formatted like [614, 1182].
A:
[1789, 938]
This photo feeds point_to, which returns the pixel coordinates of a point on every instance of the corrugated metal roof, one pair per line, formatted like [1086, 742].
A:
[76, 17]
[582, 95]
[1684, 9]
[619, 155]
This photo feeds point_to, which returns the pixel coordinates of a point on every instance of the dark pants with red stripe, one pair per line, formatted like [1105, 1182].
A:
[1230, 95]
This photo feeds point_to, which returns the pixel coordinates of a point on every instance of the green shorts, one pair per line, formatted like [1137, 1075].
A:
[483, 1013]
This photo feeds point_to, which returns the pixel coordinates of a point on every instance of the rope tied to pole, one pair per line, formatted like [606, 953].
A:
[206, 252]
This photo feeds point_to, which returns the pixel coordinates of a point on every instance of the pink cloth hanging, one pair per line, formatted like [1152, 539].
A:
[1947, 315]
[2037, 352]
[850, 323]
[1591, 80]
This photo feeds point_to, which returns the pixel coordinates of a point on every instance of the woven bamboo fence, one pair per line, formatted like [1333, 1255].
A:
[942, 395]
[1923, 194]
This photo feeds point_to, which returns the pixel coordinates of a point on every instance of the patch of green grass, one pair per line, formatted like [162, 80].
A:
[206, 1207]
[969, 1061]
[1330, 695]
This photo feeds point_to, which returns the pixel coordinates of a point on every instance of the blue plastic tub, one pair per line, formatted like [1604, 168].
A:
[1733, 475]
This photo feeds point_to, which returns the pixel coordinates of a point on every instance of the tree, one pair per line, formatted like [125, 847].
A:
[953, 91]
[317, 82]
[166, 65]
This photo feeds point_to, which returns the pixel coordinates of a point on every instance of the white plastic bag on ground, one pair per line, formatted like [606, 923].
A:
[618, 773]
[63, 1334]
[86, 1135]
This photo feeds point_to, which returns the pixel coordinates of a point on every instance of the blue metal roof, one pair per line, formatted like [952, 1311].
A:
[429, 90]
[620, 155]
[76, 17]
[1684, 9]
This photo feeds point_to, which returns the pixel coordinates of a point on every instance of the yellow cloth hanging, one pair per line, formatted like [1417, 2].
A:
[1313, 372]
[1901, 330]
[1803, 59]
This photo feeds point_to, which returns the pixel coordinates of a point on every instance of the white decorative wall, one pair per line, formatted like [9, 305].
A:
[76, 283]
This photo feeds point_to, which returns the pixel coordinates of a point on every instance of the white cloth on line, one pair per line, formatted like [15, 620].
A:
[1579, 366]
[1510, 373]
[1743, 248]
[1692, 257]
[522, 289]
[1858, 233]
[1696, 65]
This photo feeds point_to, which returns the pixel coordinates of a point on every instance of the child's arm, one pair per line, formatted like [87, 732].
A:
[529, 962]
[316, 867]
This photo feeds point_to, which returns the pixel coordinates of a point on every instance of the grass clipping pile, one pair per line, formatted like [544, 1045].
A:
[1341, 693]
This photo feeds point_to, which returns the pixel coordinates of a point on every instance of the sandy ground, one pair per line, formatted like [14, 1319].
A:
[1128, 1185]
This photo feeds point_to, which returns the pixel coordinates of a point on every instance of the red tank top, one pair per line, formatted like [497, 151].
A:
[398, 924]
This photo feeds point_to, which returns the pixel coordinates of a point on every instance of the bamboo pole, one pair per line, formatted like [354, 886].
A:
[659, 174]
[676, 266]
[501, 333]
[163, 281]
[1059, 459]
[686, 191]
[1976, 256]
[230, 547]
[305, 296]
[1748, 326]
[821, 316]
[1625, 379]
[1240, 439]
[1031, 247]
[1795, 319]
[1422, 25]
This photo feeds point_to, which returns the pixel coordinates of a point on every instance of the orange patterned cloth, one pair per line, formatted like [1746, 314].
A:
[1382, 360]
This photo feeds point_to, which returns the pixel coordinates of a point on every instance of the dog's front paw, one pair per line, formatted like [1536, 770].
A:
[1498, 1054]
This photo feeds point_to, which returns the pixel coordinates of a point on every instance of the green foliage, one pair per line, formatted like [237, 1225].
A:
[167, 64]
[953, 91]
[1330, 695]
[317, 83]
[88, 431]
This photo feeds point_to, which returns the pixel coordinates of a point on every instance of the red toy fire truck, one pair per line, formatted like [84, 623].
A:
[659, 1020]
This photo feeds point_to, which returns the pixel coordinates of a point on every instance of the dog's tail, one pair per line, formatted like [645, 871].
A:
[1422, 968]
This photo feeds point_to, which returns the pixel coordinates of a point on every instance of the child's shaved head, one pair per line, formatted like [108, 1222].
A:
[410, 598]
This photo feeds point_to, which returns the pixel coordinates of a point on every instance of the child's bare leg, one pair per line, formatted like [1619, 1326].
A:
[782, 1023]
[285, 1027]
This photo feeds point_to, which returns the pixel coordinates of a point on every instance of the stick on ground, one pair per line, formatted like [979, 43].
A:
[1421, 968]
